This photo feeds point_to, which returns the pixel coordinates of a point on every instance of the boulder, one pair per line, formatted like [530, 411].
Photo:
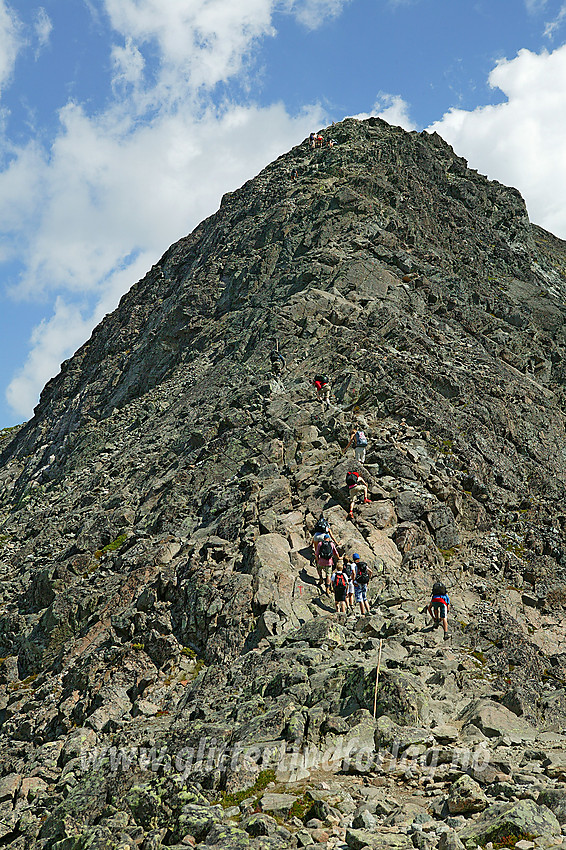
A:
[524, 819]
[555, 800]
[494, 719]
[466, 796]
[318, 632]
[360, 839]
[278, 804]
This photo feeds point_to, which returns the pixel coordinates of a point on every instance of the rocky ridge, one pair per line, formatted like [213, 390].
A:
[171, 675]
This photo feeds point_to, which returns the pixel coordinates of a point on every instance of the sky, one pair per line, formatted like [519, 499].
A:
[123, 122]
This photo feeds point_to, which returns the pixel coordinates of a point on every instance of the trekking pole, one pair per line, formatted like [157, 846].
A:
[377, 678]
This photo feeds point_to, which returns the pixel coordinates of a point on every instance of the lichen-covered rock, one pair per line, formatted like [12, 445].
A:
[524, 819]
[466, 796]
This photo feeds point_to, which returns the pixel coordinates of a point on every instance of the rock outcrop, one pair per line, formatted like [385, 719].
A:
[171, 675]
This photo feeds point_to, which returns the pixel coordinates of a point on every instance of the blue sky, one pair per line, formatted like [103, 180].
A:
[122, 123]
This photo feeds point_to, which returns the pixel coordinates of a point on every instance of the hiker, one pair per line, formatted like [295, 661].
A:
[321, 528]
[278, 362]
[322, 389]
[360, 441]
[312, 139]
[356, 487]
[350, 596]
[439, 606]
[294, 174]
[319, 141]
[326, 555]
[339, 581]
[361, 574]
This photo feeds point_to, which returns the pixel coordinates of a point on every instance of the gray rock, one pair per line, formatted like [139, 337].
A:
[524, 818]
[466, 796]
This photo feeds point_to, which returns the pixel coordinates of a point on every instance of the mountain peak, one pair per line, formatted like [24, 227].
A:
[158, 513]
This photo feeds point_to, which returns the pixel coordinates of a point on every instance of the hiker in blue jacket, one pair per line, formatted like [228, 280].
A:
[439, 607]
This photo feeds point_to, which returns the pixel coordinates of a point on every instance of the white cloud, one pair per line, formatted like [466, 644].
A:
[128, 64]
[200, 43]
[312, 13]
[43, 27]
[10, 42]
[553, 26]
[392, 108]
[521, 142]
[534, 6]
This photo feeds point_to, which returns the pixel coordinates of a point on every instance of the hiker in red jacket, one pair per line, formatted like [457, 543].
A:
[356, 487]
[322, 389]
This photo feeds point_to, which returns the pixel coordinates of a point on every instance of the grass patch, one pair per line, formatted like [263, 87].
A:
[111, 547]
[300, 807]
[261, 783]
[189, 653]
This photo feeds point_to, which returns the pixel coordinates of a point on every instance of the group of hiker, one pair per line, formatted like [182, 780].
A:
[348, 580]
[317, 141]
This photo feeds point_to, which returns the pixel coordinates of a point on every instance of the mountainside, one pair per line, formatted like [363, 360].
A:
[171, 675]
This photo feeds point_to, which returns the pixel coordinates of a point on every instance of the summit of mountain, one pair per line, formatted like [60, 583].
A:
[156, 517]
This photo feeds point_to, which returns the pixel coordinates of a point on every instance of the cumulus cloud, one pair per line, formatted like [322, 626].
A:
[199, 43]
[392, 108]
[520, 142]
[128, 64]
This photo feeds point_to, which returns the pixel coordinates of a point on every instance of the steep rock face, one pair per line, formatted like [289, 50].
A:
[156, 516]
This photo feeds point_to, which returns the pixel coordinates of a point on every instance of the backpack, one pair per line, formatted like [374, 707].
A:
[438, 589]
[362, 575]
[321, 525]
[321, 379]
[325, 550]
[351, 478]
[340, 580]
[361, 439]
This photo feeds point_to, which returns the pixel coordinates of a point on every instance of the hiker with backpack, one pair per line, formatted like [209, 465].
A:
[360, 441]
[321, 528]
[322, 389]
[339, 581]
[326, 555]
[361, 575]
[356, 487]
[278, 362]
[439, 606]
